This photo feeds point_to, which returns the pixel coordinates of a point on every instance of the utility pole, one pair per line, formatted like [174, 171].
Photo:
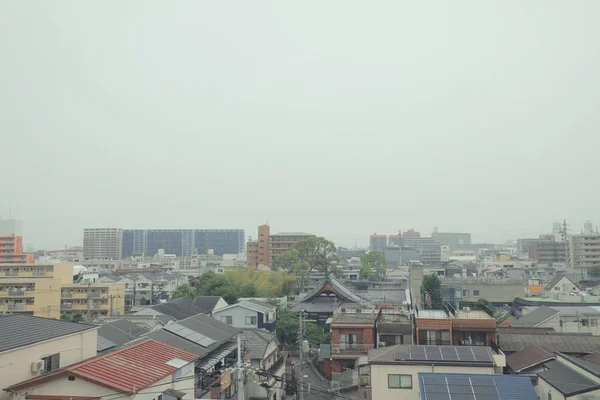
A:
[240, 372]
[152, 293]
[89, 301]
[300, 343]
[111, 308]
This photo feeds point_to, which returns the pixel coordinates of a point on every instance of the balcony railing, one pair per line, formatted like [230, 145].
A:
[206, 384]
[278, 363]
[16, 307]
[11, 273]
[66, 295]
[338, 349]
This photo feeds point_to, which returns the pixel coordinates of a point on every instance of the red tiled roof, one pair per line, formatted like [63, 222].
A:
[126, 370]
[45, 397]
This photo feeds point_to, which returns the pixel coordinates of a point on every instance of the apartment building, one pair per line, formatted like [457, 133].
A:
[103, 243]
[100, 299]
[39, 297]
[11, 251]
[283, 241]
[549, 251]
[33, 289]
[182, 242]
[262, 251]
[455, 327]
[378, 243]
[31, 346]
[585, 250]
[352, 336]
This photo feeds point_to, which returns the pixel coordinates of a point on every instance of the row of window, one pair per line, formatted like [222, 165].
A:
[228, 319]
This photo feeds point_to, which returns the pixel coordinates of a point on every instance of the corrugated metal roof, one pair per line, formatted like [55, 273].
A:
[536, 317]
[529, 357]
[20, 330]
[564, 343]
[126, 370]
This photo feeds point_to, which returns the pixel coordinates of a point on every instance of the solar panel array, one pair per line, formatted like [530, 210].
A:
[443, 353]
[189, 334]
[459, 388]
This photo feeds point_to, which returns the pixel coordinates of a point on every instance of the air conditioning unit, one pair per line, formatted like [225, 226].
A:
[336, 350]
[37, 366]
[466, 309]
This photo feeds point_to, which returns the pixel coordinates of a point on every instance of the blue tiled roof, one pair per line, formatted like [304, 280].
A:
[475, 386]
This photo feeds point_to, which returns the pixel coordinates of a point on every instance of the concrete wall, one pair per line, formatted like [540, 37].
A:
[15, 365]
[379, 378]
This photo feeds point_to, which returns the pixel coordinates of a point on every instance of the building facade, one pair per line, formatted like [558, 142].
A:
[103, 243]
[99, 299]
[182, 242]
[378, 243]
[11, 251]
[452, 239]
[585, 250]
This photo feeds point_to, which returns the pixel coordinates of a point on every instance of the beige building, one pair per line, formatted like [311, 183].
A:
[31, 346]
[33, 289]
[148, 370]
[584, 250]
[34, 296]
[103, 244]
[99, 299]
[395, 369]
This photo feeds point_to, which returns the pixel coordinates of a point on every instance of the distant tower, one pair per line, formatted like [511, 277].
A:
[588, 227]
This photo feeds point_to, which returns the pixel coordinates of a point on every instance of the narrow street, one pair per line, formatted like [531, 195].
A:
[319, 389]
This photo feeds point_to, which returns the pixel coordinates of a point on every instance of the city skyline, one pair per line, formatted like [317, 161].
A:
[397, 118]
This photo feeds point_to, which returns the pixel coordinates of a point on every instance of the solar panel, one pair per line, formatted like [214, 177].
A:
[174, 328]
[488, 397]
[438, 396]
[189, 334]
[417, 353]
[465, 354]
[481, 354]
[479, 390]
[449, 354]
[433, 353]
[483, 382]
[458, 380]
[402, 354]
[434, 380]
[205, 342]
[435, 388]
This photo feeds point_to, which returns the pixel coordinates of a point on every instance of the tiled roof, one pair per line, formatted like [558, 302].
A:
[565, 343]
[18, 330]
[555, 281]
[122, 331]
[592, 357]
[257, 341]
[536, 317]
[126, 370]
[181, 308]
[342, 292]
[529, 357]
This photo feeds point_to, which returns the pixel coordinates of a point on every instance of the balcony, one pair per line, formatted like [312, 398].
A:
[73, 295]
[19, 307]
[280, 362]
[345, 350]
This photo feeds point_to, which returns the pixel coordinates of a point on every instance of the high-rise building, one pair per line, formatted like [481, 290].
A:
[182, 242]
[524, 244]
[11, 227]
[261, 252]
[585, 250]
[452, 239]
[103, 243]
[11, 251]
[548, 250]
[395, 240]
[378, 243]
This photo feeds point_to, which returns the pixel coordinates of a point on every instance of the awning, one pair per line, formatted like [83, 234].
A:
[211, 360]
[175, 393]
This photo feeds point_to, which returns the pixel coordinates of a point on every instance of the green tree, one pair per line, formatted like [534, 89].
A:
[366, 272]
[315, 334]
[183, 291]
[432, 285]
[374, 265]
[480, 304]
[287, 327]
[319, 253]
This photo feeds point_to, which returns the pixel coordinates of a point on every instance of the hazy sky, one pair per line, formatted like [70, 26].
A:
[341, 118]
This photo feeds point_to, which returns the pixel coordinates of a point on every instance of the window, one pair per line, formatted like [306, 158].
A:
[228, 319]
[476, 293]
[250, 320]
[549, 396]
[51, 363]
[594, 322]
[584, 322]
[561, 323]
[465, 293]
[399, 381]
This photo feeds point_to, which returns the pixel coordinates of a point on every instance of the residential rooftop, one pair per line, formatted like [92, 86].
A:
[292, 234]
[18, 330]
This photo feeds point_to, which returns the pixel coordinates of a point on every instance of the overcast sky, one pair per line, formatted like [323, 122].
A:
[340, 118]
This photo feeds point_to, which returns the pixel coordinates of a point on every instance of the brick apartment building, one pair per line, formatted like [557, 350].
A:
[261, 252]
[11, 251]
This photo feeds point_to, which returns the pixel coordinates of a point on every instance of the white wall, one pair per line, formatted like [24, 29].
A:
[15, 365]
[379, 378]
[238, 315]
